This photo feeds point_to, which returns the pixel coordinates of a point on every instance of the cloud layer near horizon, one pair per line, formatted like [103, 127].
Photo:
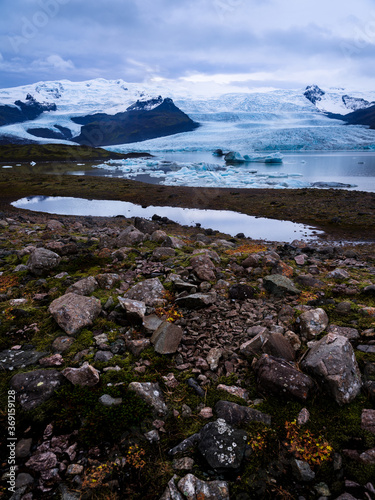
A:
[252, 43]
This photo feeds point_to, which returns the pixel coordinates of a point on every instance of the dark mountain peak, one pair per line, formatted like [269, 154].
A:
[146, 105]
[313, 93]
[31, 107]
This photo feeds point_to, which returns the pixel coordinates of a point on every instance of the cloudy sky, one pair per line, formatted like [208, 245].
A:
[252, 43]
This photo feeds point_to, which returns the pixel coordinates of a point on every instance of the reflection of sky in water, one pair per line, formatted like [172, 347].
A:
[225, 221]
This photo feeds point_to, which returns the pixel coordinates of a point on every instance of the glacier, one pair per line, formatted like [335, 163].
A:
[247, 121]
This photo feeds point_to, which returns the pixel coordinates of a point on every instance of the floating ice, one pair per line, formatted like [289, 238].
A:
[205, 174]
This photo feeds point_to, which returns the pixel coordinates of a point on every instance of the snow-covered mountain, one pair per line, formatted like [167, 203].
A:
[262, 120]
[336, 100]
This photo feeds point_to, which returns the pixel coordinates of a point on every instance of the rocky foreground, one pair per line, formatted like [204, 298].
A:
[155, 361]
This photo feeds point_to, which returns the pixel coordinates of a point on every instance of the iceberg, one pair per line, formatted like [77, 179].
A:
[235, 157]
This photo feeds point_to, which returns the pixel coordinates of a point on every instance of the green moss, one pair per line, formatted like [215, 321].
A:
[80, 406]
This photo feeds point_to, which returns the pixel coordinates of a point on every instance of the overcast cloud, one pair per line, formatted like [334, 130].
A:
[280, 43]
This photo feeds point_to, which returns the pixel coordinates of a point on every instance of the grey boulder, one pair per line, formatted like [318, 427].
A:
[333, 362]
[313, 322]
[42, 260]
[73, 312]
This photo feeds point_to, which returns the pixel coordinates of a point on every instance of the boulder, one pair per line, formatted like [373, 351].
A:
[33, 388]
[313, 322]
[85, 286]
[276, 376]
[152, 395]
[333, 362]
[135, 309]
[238, 415]
[280, 285]
[221, 445]
[85, 375]
[149, 291]
[167, 338]
[73, 312]
[129, 237]
[203, 267]
[42, 260]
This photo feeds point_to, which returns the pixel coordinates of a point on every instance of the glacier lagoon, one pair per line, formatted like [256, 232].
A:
[347, 170]
[225, 221]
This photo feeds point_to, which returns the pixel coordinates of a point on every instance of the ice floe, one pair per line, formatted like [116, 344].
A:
[205, 174]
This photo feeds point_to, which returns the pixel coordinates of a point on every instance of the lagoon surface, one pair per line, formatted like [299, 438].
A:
[347, 170]
[227, 222]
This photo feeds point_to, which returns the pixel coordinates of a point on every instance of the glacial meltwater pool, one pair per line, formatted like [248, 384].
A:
[227, 222]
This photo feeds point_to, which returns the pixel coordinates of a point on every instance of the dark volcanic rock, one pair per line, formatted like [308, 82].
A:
[222, 446]
[12, 359]
[279, 377]
[33, 388]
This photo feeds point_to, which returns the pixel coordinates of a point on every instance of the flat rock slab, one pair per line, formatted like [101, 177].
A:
[221, 445]
[42, 260]
[276, 376]
[197, 300]
[152, 395]
[11, 359]
[333, 362]
[167, 338]
[238, 415]
[280, 285]
[73, 312]
[33, 388]
[149, 291]
[151, 323]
